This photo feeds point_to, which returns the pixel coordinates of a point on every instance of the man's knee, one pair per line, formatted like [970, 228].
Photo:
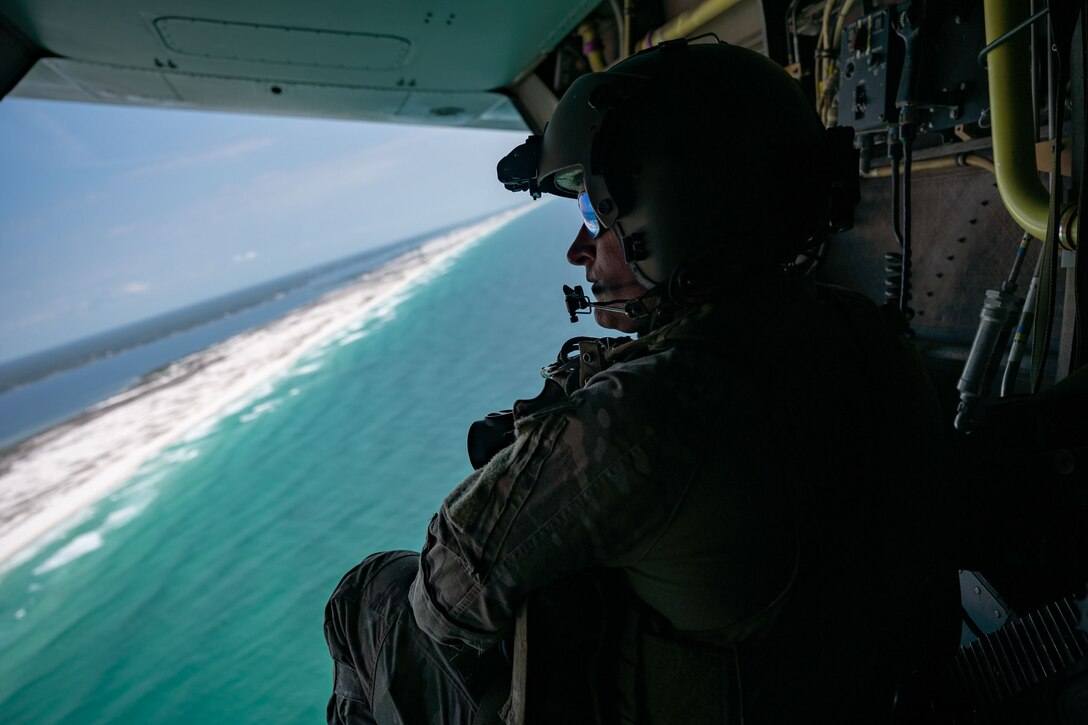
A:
[367, 601]
[378, 579]
[387, 666]
[362, 610]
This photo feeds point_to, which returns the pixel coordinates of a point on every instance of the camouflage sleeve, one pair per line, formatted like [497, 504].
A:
[586, 483]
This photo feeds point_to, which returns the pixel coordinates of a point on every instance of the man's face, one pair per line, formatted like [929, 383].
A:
[609, 275]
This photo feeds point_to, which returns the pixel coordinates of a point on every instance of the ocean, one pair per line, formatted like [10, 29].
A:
[194, 591]
[42, 389]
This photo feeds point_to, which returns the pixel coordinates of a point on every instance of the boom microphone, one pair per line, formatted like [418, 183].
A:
[579, 304]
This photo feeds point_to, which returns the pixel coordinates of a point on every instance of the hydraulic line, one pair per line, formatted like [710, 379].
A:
[1010, 35]
[993, 326]
[823, 60]
[895, 151]
[840, 22]
[893, 261]
[944, 162]
[1023, 332]
[1014, 273]
[905, 102]
[831, 78]
[994, 319]
[1043, 323]
[791, 32]
[904, 292]
[823, 48]
[1032, 60]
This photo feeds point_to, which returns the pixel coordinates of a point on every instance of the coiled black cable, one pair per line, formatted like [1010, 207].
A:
[893, 277]
[896, 264]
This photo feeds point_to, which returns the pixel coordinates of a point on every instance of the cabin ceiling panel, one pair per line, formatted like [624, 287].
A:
[380, 51]
[282, 45]
[98, 83]
[454, 108]
[109, 84]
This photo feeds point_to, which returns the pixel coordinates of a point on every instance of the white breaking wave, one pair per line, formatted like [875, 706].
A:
[91, 541]
[35, 547]
[353, 337]
[61, 472]
[200, 431]
[181, 455]
[122, 516]
[260, 410]
[80, 546]
[307, 369]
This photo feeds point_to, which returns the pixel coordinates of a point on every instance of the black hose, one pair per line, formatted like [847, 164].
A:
[908, 152]
[893, 261]
[794, 48]
[1018, 262]
[1010, 35]
[897, 229]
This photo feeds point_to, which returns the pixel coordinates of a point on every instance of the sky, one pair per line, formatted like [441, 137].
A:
[112, 214]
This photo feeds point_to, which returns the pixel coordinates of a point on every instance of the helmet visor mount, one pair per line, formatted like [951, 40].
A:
[565, 157]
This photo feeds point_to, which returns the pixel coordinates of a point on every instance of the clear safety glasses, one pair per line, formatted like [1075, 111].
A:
[589, 216]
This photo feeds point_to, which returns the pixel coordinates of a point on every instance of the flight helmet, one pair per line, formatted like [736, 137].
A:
[706, 158]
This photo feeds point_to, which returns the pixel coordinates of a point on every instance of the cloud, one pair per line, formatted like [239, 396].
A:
[245, 257]
[229, 151]
[135, 288]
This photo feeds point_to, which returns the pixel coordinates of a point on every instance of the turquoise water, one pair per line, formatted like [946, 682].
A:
[195, 593]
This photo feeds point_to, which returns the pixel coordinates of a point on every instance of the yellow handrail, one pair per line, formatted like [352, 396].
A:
[1023, 193]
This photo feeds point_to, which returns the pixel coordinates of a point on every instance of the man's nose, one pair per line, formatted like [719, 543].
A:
[583, 250]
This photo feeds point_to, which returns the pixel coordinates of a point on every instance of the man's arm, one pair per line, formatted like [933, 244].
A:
[585, 483]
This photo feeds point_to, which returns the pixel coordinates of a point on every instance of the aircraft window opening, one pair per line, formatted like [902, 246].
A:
[892, 72]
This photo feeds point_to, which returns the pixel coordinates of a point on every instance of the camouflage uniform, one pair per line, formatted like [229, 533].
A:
[724, 463]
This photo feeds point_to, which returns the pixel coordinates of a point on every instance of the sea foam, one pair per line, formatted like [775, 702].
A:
[80, 546]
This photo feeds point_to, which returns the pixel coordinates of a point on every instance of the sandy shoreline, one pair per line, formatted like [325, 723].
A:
[51, 477]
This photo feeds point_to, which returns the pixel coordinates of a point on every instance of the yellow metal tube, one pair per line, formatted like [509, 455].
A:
[591, 47]
[945, 162]
[1011, 118]
[687, 23]
[979, 162]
